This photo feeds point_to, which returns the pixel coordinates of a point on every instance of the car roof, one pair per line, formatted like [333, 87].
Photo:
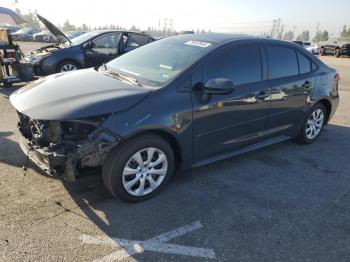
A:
[221, 38]
[113, 31]
[215, 38]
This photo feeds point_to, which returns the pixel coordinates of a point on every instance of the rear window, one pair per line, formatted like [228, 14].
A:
[282, 62]
[136, 40]
[304, 64]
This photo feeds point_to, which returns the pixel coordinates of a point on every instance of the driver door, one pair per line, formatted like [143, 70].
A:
[102, 49]
[227, 122]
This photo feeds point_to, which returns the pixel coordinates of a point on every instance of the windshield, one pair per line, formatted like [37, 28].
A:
[82, 38]
[71, 34]
[160, 61]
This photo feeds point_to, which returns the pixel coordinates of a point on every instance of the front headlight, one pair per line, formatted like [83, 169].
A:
[32, 60]
[36, 58]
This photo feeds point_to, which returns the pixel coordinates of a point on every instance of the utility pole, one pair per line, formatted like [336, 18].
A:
[273, 29]
[318, 25]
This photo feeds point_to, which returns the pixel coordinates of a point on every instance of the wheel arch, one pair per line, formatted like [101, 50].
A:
[67, 60]
[328, 105]
[167, 136]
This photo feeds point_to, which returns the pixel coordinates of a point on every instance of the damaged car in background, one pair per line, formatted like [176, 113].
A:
[143, 115]
[73, 51]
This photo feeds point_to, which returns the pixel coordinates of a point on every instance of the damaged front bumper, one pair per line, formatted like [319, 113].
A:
[46, 160]
[64, 158]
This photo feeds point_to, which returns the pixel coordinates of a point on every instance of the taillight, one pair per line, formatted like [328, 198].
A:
[337, 77]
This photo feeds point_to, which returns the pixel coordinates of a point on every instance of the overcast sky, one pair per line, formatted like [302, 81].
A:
[251, 16]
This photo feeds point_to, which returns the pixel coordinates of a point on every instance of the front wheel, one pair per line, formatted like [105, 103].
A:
[322, 52]
[139, 168]
[312, 124]
[67, 66]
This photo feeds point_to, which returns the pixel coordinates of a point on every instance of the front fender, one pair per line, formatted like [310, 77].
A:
[147, 116]
[49, 64]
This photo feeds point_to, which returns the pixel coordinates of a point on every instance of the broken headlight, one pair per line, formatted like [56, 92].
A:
[80, 129]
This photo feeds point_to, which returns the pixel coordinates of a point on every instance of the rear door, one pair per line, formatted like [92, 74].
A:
[103, 49]
[292, 80]
[223, 123]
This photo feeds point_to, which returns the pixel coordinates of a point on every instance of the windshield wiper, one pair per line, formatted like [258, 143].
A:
[121, 76]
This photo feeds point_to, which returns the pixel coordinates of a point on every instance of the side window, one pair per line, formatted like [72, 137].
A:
[241, 64]
[137, 40]
[107, 41]
[304, 64]
[282, 62]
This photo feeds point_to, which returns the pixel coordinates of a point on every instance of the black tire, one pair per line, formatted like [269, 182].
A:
[65, 63]
[118, 158]
[322, 52]
[302, 138]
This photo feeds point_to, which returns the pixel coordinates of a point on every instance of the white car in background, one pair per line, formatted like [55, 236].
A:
[312, 47]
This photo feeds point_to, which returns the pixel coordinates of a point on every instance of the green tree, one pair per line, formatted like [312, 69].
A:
[32, 19]
[289, 35]
[304, 36]
[134, 28]
[321, 36]
[67, 26]
[345, 32]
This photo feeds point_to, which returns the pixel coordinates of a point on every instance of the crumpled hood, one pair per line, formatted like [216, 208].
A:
[78, 94]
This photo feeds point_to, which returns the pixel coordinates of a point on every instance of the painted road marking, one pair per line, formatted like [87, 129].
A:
[156, 244]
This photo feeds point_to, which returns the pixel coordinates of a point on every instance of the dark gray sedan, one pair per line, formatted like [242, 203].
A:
[176, 103]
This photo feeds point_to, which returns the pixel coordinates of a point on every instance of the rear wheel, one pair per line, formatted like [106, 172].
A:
[312, 124]
[139, 168]
[337, 53]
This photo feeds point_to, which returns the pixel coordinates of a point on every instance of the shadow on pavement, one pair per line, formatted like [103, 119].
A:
[248, 203]
[277, 200]
[7, 91]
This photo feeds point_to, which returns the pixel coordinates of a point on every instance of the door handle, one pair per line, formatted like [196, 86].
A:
[262, 95]
[307, 85]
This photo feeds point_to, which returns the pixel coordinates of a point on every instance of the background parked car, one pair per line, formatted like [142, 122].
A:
[313, 48]
[24, 34]
[87, 50]
[73, 34]
[336, 49]
[44, 36]
[11, 28]
[298, 42]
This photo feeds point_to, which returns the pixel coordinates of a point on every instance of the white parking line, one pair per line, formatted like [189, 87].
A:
[156, 244]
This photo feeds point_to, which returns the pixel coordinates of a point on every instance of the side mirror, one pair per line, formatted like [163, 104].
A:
[89, 45]
[219, 86]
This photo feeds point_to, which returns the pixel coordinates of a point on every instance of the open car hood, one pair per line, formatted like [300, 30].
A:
[79, 94]
[62, 38]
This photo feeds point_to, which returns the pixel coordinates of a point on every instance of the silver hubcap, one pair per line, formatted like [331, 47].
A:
[314, 124]
[145, 171]
[68, 67]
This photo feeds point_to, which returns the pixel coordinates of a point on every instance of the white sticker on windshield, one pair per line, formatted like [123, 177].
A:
[198, 43]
